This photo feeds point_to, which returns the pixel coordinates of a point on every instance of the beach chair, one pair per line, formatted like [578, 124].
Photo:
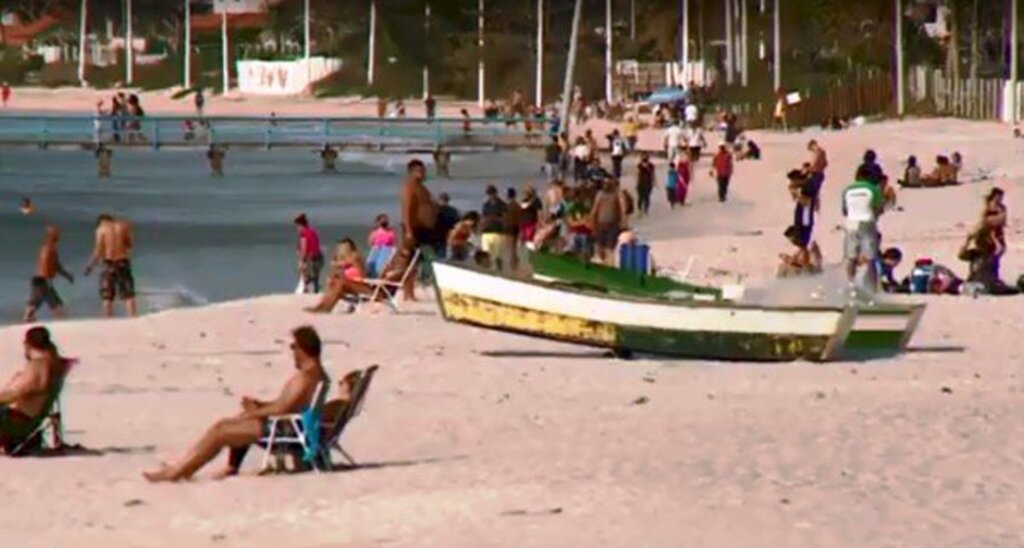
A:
[292, 433]
[334, 427]
[49, 421]
[388, 290]
[377, 260]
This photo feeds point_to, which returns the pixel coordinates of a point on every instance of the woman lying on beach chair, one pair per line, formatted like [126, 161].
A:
[365, 289]
[29, 397]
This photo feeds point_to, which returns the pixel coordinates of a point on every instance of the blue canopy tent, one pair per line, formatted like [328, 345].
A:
[663, 96]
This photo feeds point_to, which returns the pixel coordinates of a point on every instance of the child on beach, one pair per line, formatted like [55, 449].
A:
[805, 261]
[382, 242]
[671, 182]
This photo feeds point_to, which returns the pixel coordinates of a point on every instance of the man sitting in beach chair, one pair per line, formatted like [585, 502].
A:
[27, 399]
[251, 425]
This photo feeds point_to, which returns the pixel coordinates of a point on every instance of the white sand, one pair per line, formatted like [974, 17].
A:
[476, 438]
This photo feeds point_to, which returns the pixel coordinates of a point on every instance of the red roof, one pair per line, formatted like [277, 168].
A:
[212, 21]
[21, 34]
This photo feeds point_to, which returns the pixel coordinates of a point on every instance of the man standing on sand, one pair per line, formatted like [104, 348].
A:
[673, 136]
[5, 93]
[608, 217]
[114, 246]
[644, 184]
[721, 170]
[862, 205]
[419, 216]
[245, 429]
[48, 266]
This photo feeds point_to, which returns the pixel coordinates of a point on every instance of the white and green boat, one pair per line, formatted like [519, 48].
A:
[715, 330]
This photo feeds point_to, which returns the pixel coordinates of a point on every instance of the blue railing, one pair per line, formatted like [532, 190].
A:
[269, 132]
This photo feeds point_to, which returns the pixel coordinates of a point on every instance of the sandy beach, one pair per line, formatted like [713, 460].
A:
[475, 438]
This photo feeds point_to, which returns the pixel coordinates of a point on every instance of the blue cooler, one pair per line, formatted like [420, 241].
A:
[635, 258]
[921, 276]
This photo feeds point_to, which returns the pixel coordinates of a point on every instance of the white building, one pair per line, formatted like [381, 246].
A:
[240, 6]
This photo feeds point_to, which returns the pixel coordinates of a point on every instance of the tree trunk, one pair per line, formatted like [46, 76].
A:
[953, 47]
[975, 47]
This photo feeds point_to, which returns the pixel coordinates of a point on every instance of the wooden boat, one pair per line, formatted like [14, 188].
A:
[694, 329]
[570, 270]
[877, 330]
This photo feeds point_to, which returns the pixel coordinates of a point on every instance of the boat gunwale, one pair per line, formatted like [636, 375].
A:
[883, 309]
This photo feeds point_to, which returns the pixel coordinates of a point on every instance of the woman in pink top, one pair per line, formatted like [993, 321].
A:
[383, 235]
[685, 176]
[310, 255]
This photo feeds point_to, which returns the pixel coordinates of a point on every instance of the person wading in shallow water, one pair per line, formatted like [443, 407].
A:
[113, 247]
[48, 266]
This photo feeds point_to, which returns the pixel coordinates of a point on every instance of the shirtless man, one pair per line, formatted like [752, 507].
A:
[24, 397]
[419, 216]
[818, 161]
[329, 157]
[48, 265]
[246, 428]
[608, 218]
[114, 243]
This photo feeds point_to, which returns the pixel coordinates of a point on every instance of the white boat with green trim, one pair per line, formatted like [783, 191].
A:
[693, 329]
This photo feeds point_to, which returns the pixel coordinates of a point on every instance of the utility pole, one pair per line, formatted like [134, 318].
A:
[570, 65]
[900, 92]
[684, 56]
[372, 47]
[539, 97]
[226, 69]
[305, 31]
[777, 46]
[730, 51]
[481, 67]
[129, 50]
[1014, 59]
[744, 45]
[608, 51]
[188, 44]
[82, 40]
[632, 20]
[426, 49]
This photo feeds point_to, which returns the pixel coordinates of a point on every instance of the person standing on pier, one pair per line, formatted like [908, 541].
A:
[114, 245]
[310, 254]
[215, 155]
[103, 161]
[48, 266]
[430, 106]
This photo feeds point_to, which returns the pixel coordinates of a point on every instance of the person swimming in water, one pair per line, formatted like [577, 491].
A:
[103, 161]
[27, 207]
[215, 155]
[329, 156]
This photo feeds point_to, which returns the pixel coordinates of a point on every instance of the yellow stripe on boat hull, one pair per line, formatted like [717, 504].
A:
[462, 308]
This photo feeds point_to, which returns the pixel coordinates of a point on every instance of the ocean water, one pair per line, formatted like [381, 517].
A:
[201, 239]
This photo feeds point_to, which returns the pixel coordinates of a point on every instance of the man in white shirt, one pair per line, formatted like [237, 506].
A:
[692, 114]
[862, 205]
[693, 137]
[580, 159]
[673, 136]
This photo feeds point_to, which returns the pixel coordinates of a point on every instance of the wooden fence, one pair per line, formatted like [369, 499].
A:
[865, 97]
[931, 93]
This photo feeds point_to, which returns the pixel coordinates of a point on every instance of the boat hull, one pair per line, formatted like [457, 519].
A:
[877, 331]
[715, 331]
